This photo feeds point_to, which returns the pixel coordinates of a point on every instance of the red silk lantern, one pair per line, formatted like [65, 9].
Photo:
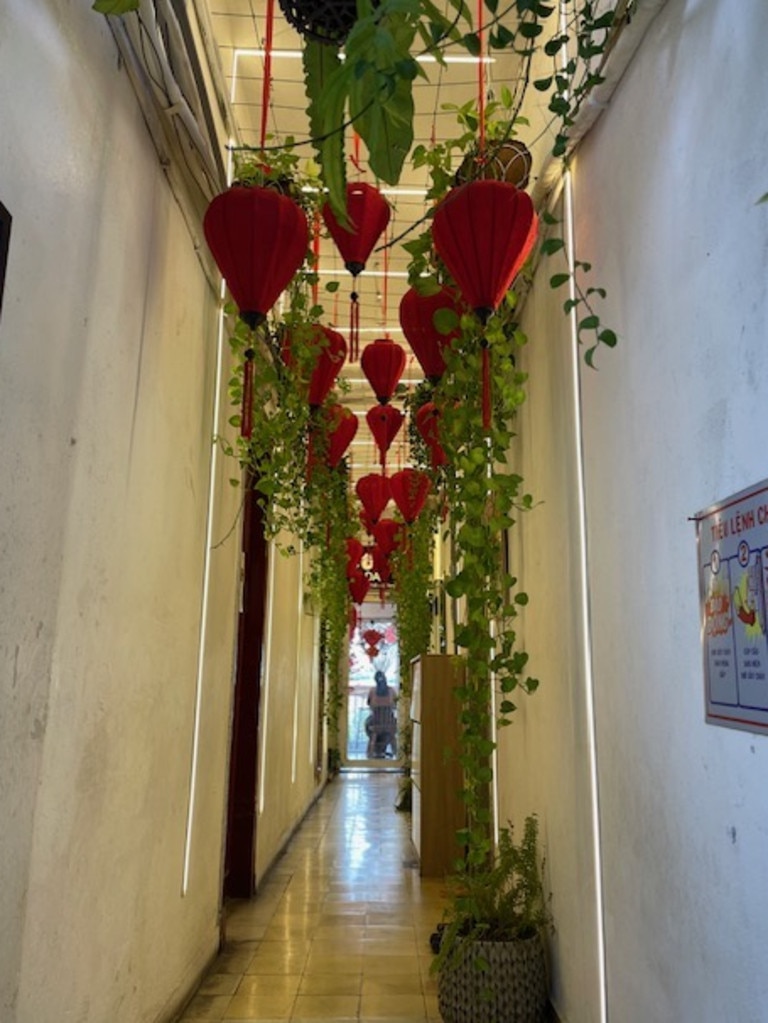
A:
[372, 636]
[354, 553]
[366, 520]
[417, 314]
[359, 585]
[428, 424]
[342, 429]
[409, 492]
[388, 534]
[372, 651]
[384, 422]
[483, 231]
[259, 240]
[330, 351]
[383, 363]
[381, 565]
[368, 213]
[374, 492]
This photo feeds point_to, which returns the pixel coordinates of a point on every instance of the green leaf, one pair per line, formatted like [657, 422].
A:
[589, 323]
[763, 198]
[332, 286]
[506, 97]
[608, 337]
[326, 78]
[115, 6]
[445, 320]
[552, 245]
[530, 30]
[386, 126]
[542, 84]
[556, 280]
[471, 42]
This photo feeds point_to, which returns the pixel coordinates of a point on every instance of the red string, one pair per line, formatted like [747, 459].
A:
[385, 286]
[316, 255]
[481, 77]
[354, 328]
[355, 157]
[267, 83]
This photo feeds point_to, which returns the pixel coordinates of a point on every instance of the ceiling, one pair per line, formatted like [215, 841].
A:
[240, 30]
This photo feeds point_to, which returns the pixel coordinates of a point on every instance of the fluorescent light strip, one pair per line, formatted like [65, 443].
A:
[423, 59]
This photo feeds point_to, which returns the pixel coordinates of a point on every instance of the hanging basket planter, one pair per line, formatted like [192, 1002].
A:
[325, 21]
[510, 162]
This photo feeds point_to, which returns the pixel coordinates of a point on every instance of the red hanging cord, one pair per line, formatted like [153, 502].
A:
[267, 83]
[355, 157]
[481, 78]
[316, 255]
[354, 327]
[385, 285]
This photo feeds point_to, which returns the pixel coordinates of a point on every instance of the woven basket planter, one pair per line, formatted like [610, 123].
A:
[326, 21]
[512, 990]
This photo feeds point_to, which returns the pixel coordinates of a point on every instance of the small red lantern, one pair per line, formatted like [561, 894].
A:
[428, 424]
[374, 492]
[368, 213]
[342, 429]
[384, 422]
[383, 363]
[410, 488]
[354, 553]
[381, 565]
[372, 651]
[259, 240]
[388, 535]
[330, 351]
[417, 318]
[359, 585]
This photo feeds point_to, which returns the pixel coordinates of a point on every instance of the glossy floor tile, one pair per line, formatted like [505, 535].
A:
[340, 930]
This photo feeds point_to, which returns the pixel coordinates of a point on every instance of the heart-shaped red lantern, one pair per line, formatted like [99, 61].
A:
[388, 535]
[342, 423]
[417, 318]
[372, 636]
[354, 553]
[410, 488]
[383, 363]
[259, 240]
[329, 350]
[483, 232]
[428, 424]
[359, 585]
[374, 493]
[384, 422]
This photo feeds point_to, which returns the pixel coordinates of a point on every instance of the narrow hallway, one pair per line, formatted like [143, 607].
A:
[340, 929]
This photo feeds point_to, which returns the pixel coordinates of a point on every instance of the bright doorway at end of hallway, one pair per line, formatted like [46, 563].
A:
[372, 716]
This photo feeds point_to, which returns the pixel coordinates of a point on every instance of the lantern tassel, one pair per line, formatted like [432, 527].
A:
[486, 385]
[246, 414]
[354, 327]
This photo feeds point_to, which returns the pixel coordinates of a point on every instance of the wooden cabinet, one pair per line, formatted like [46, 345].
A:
[438, 809]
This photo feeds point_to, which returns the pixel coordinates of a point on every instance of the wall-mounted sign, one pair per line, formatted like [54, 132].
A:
[733, 582]
[5, 239]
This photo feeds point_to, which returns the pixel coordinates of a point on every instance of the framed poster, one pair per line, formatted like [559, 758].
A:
[732, 544]
[5, 238]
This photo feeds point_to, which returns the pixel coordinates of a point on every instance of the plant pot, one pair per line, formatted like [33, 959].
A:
[326, 21]
[512, 990]
[510, 162]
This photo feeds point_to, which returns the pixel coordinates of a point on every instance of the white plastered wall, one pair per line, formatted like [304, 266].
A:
[107, 379]
[288, 774]
[665, 198]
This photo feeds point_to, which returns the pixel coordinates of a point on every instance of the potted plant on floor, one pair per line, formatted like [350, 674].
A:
[491, 961]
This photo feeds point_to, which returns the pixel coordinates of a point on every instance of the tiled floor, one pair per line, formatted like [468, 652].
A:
[340, 930]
